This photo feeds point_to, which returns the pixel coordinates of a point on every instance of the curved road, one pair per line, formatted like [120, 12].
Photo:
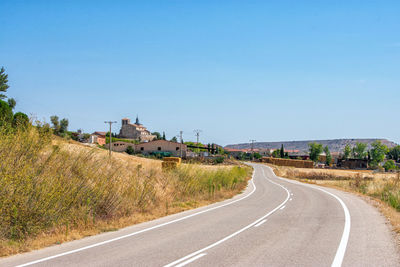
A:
[275, 222]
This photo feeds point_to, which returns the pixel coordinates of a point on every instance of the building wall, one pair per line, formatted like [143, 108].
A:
[161, 146]
[133, 131]
[119, 146]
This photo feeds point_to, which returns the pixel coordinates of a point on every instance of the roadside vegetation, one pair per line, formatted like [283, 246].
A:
[48, 189]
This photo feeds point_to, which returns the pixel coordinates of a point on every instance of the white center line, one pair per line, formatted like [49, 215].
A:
[258, 224]
[191, 260]
[282, 207]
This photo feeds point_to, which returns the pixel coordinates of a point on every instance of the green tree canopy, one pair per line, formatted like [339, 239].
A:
[174, 139]
[390, 165]
[347, 152]
[6, 114]
[360, 151]
[378, 153]
[328, 156]
[3, 83]
[315, 150]
[394, 153]
[282, 152]
[20, 119]
[157, 134]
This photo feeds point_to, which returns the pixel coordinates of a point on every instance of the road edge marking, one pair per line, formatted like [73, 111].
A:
[341, 250]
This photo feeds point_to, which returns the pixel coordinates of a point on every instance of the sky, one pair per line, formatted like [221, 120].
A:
[237, 70]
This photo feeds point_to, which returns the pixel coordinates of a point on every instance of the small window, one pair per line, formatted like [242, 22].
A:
[159, 148]
[142, 148]
[177, 148]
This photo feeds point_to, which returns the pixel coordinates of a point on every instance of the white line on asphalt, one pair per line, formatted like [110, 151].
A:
[258, 224]
[290, 199]
[282, 207]
[191, 260]
[237, 232]
[141, 231]
[340, 252]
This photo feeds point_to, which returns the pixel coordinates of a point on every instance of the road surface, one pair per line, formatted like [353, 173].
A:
[274, 222]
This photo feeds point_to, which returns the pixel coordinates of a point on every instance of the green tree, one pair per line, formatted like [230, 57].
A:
[257, 155]
[378, 153]
[12, 103]
[276, 153]
[394, 153]
[328, 156]
[360, 151]
[174, 139]
[60, 127]
[6, 114]
[130, 150]
[390, 165]
[64, 125]
[347, 152]
[157, 134]
[163, 136]
[315, 150]
[20, 119]
[3, 83]
[56, 124]
[282, 152]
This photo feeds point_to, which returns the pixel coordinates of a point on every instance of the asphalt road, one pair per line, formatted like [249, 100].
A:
[275, 222]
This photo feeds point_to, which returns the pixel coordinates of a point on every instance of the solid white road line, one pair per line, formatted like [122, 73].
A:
[338, 260]
[191, 260]
[282, 207]
[258, 224]
[141, 231]
[237, 232]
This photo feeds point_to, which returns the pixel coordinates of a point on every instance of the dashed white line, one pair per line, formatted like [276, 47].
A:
[282, 207]
[235, 233]
[258, 224]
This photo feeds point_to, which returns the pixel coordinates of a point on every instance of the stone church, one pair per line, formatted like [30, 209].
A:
[135, 131]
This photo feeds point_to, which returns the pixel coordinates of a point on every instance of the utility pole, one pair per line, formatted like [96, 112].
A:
[180, 146]
[197, 133]
[110, 142]
[252, 145]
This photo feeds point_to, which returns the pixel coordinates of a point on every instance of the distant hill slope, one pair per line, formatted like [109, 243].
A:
[335, 145]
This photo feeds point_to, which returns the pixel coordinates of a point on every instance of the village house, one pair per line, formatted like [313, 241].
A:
[135, 131]
[98, 138]
[119, 146]
[160, 146]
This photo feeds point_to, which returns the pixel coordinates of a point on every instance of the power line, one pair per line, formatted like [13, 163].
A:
[110, 137]
[197, 133]
[252, 145]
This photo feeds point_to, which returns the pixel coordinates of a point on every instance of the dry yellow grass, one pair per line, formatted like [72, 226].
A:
[52, 191]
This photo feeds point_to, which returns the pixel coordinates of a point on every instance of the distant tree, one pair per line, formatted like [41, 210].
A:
[130, 150]
[163, 136]
[282, 152]
[328, 156]
[20, 119]
[6, 114]
[347, 152]
[60, 127]
[360, 151]
[174, 139]
[378, 153]
[257, 155]
[3, 83]
[286, 155]
[276, 153]
[394, 153]
[157, 134]
[12, 103]
[64, 125]
[315, 150]
[390, 165]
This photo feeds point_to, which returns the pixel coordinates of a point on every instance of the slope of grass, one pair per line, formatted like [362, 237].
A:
[52, 191]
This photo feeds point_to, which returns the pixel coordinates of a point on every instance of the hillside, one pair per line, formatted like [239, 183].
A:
[335, 145]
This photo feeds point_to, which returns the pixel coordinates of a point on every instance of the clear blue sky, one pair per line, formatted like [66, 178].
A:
[238, 70]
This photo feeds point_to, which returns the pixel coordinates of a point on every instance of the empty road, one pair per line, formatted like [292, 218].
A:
[274, 222]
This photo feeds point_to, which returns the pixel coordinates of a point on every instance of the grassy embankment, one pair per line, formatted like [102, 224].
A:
[52, 191]
[383, 188]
